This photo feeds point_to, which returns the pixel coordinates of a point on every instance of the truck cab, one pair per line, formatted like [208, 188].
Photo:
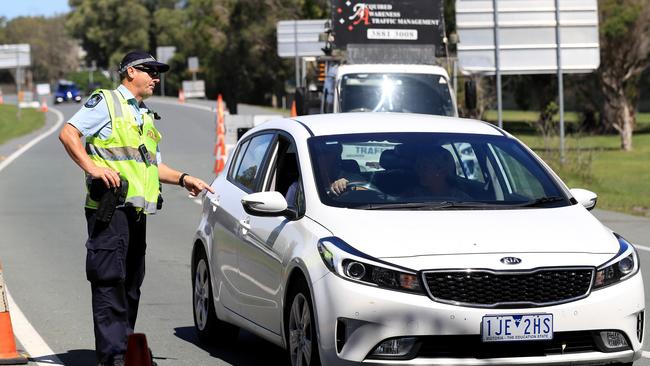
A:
[408, 88]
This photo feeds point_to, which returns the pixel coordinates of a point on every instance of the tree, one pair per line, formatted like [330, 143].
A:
[109, 28]
[625, 54]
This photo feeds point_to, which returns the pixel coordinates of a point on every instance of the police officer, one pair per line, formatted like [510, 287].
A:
[121, 145]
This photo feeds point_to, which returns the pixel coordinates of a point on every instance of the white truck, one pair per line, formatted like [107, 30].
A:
[409, 88]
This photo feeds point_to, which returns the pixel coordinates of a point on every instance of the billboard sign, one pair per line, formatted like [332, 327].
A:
[300, 37]
[15, 55]
[387, 21]
[194, 88]
[527, 36]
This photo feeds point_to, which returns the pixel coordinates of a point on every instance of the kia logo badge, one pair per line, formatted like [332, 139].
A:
[510, 260]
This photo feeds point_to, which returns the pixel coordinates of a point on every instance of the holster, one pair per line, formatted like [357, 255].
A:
[108, 198]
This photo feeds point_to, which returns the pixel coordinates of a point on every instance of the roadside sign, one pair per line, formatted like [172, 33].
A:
[300, 37]
[164, 54]
[193, 64]
[387, 21]
[43, 89]
[527, 38]
[15, 55]
[194, 88]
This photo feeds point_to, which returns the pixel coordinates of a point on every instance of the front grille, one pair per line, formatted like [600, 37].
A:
[484, 288]
[470, 346]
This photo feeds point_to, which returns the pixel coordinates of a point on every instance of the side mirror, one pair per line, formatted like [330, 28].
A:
[470, 95]
[585, 197]
[265, 204]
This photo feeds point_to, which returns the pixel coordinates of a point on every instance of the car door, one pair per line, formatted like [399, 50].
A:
[261, 258]
[228, 216]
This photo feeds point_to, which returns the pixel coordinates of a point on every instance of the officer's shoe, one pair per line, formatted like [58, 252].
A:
[118, 360]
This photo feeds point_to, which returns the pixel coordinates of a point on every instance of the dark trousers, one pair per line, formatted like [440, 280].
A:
[115, 268]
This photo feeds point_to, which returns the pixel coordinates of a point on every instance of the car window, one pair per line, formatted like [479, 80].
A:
[247, 172]
[285, 174]
[415, 168]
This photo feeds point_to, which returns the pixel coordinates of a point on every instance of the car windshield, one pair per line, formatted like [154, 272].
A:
[67, 88]
[430, 171]
[410, 93]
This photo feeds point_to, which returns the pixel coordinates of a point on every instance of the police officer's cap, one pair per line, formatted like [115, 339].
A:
[135, 58]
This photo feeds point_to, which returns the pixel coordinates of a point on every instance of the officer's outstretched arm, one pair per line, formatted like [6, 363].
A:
[70, 137]
[194, 185]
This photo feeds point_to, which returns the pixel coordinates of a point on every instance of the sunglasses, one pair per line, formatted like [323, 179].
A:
[152, 73]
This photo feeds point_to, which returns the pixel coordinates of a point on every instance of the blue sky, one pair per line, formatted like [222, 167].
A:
[15, 8]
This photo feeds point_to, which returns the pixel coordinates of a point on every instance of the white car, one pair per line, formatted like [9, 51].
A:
[503, 265]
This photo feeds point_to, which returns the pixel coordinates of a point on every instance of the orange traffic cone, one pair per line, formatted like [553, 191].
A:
[181, 96]
[137, 351]
[43, 105]
[8, 353]
[293, 109]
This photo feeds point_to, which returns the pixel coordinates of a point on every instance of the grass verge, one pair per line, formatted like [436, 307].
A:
[12, 127]
[620, 178]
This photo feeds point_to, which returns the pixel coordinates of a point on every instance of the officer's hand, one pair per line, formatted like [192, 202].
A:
[339, 186]
[196, 185]
[110, 177]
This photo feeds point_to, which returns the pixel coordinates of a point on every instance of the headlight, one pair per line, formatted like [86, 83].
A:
[351, 264]
[624, 265]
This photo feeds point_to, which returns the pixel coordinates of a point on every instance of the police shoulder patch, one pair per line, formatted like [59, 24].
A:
[93, 101]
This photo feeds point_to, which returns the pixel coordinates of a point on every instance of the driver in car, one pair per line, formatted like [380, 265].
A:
[333, 170]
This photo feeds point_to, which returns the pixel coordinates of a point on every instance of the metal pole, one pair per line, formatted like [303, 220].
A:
[295, 50]
[497, 62]
[560, 81]
[162, 84]
[18, 75]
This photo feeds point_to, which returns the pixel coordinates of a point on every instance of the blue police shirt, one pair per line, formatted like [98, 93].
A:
[94, 120]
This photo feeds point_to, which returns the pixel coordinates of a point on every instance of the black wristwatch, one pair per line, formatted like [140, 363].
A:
[180, 180]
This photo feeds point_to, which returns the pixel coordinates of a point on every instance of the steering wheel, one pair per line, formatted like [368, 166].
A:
[356, 186]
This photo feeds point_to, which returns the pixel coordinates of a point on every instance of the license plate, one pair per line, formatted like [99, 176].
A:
[529, 327]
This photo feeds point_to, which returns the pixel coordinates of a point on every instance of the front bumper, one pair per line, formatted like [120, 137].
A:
[372, 315]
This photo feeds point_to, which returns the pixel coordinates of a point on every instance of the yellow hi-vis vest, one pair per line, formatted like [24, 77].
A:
[120, 152]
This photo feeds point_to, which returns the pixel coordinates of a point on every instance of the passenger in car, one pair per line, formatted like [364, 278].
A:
[436, 175]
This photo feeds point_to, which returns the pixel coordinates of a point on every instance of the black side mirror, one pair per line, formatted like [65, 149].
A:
[470, 95]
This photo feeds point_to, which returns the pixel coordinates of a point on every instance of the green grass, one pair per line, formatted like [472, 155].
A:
[596, 163]
[11, 127]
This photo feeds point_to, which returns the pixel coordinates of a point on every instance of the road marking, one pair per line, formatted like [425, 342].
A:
[209, 109]
[39, 352]
[34, 141]
[641, 247]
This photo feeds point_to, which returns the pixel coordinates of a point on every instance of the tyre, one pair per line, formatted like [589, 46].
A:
[301, 327]
[208, 326]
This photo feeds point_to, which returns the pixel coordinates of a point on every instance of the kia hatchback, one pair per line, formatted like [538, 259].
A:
[402, 239]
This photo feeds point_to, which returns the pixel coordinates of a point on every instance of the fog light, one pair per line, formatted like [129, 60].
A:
[396, 347]
[613, 339]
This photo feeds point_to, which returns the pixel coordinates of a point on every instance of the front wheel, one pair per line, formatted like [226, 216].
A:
[208, 326]
[301, 328]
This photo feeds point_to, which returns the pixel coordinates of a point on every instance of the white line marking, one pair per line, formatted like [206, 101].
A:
[33, 142]
[28, 337]
[645, 354]
[39, 352]
[209, 109]
[641, 247]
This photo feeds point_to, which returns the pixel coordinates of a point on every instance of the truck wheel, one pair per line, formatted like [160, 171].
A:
[208, 326]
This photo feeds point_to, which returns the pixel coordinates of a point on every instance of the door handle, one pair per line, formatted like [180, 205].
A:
[245, 225]
[214, 201]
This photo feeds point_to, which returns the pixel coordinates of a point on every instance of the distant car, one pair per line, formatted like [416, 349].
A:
[504, 266]
[67, 92]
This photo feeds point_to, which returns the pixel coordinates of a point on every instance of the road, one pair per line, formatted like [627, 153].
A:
[42, 247]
